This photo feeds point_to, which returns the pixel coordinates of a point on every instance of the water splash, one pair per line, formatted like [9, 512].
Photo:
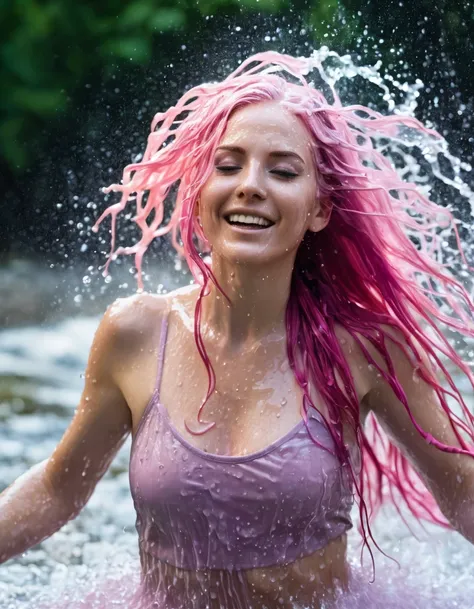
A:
[98, 534]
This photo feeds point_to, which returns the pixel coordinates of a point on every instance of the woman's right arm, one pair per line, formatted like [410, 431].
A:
[53, 492]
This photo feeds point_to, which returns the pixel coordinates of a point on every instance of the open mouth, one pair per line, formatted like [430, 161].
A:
[248, 221]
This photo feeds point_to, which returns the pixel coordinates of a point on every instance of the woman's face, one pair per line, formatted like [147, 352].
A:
[260, 199]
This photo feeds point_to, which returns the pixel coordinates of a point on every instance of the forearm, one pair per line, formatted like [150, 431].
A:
[29, 513]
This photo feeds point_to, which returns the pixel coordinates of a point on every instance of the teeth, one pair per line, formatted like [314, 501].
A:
[248, 219]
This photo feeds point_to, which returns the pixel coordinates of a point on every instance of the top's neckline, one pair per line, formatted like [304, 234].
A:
[229, 458]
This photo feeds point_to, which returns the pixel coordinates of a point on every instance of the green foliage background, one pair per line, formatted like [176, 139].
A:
[56, 54]
[51, 49]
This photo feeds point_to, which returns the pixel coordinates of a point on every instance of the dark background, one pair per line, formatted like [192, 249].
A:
[81, 82]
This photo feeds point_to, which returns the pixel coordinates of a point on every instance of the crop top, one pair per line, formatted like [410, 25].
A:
[197, 510]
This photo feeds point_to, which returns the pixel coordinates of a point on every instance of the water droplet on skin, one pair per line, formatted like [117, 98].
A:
[283, 402]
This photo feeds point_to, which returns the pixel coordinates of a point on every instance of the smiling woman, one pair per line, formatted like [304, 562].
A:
[263, 170]
[248, 394]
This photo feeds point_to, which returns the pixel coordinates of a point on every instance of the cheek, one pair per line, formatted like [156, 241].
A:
[205, 204]
[212, 194]
[301, 209]
[209, 212]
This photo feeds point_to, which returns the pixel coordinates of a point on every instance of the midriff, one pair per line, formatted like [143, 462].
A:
[306, 582]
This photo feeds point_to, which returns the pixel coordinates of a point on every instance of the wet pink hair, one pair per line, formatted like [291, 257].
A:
[362, 271]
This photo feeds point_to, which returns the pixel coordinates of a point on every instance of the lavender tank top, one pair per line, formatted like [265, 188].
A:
[197, 510]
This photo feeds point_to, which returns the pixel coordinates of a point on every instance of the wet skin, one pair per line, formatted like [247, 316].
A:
[254, 404]
[263, 166]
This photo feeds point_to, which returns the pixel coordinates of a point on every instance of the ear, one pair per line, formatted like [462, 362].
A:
[321, 215]
[196, 212]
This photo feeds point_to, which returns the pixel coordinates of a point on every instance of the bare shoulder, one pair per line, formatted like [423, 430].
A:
[129, 323]
[131, 315]
[357, 363]
[351, 346]
[396, 344]
[128, 320]
[405, 350]
[406, 356]
[359, 353]
[105, 413]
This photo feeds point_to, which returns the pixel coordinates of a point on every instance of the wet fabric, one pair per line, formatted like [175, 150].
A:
[204, 519]
[197, 510]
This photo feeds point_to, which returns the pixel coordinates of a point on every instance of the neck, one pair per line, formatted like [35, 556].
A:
[256, 307]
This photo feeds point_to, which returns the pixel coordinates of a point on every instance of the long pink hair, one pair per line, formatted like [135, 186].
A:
[362, 271]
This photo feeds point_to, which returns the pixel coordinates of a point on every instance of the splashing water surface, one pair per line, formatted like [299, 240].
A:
[41, 382]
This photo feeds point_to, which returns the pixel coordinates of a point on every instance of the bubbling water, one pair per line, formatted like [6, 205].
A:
[101, 540]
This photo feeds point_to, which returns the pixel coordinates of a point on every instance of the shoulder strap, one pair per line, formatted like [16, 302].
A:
[161, 351]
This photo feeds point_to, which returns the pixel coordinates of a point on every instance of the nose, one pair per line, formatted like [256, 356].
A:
[252, 184]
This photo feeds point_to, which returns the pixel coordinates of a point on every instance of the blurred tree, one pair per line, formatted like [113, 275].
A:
[77, 74]
[51, 49]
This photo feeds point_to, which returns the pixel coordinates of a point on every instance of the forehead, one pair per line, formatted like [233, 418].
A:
[268, 124]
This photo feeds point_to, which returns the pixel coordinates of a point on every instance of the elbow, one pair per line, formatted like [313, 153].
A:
[459, 511]
[68, 506]
[462, 520]
[68, 500]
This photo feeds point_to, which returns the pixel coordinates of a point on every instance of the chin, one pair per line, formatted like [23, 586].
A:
[252, 257]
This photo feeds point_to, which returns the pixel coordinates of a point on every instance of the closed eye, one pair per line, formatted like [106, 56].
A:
[226, 168]
[285, 174]
[279, 172]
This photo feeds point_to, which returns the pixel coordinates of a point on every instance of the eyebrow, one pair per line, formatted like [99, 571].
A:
[275, 153]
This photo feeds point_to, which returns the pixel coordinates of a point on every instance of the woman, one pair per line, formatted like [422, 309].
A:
[247, 393]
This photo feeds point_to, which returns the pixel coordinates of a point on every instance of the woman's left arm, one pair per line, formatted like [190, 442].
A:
[449, 477]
